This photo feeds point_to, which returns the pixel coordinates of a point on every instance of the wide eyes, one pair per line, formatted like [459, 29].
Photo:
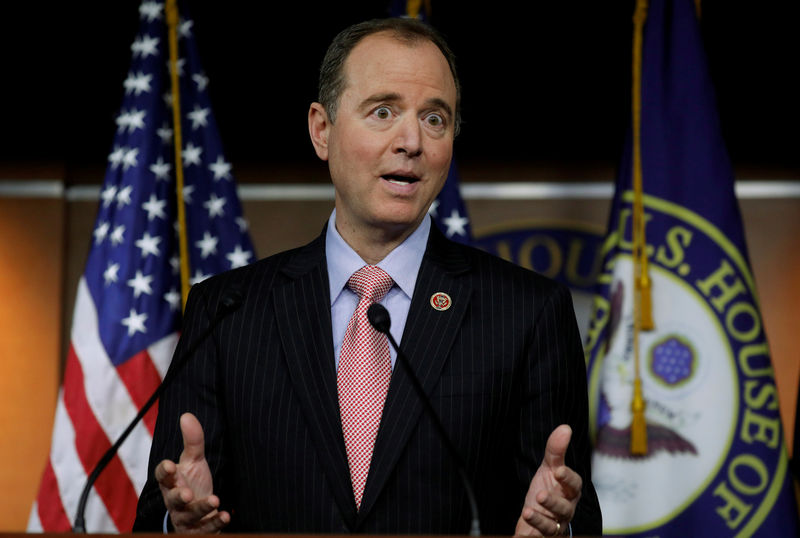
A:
[434, 120]
[382, 112]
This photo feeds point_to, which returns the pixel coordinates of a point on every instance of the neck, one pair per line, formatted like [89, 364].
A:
[373, 244]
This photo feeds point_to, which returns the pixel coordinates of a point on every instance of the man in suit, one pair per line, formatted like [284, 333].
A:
[258, 420]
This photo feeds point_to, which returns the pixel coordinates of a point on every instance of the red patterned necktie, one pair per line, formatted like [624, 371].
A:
[365, 370]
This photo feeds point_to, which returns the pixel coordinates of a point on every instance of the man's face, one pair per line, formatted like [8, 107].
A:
[390, 148]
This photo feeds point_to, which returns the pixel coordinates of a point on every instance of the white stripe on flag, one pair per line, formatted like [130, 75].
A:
[70, 475]
[105, 392]
[34, 525]
[161, 353]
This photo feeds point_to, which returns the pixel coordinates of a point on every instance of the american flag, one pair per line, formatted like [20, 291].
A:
[448, 210]
[128, 305]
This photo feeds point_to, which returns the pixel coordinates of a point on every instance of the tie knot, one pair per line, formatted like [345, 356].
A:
[370, 282]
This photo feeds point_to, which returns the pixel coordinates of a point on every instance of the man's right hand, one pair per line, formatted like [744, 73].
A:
[187, 487]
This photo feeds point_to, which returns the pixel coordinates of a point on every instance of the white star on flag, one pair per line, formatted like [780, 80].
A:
[124, 196]
[201, 80]
[241, 222]
[130, 158]
[433, 208]
[151, 11]
[167, 97]
[144, 46]
[198, 277]
[116, 235]
[135, 322]
[221, 169]
[131, 120]
[198, 117]
[191, 154]
[175, 263]
[154, 208]
[215, 206]
[207, 245]
[181, 62]
[239, 257]
[161, 169]
[165, 134]
[173, 298]
[141, 284]
[185, 27]
[455, 224]
[137, 83]
[148, 245]
[116, 156]
[101, 232]
[111, 273]
[187, 194]
[108, 195]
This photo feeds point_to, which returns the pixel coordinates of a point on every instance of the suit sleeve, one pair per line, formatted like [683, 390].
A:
[195, 390]
[555, 392]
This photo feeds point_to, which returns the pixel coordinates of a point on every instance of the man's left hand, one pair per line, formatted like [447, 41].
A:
[554, 491]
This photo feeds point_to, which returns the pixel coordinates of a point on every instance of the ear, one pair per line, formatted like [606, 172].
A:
[319, 129]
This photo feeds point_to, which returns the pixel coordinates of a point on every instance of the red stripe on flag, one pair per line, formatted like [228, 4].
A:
[51, 513]
[113, 485]
[141, 378]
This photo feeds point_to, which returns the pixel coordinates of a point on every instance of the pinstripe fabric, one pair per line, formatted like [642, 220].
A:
[503, 367]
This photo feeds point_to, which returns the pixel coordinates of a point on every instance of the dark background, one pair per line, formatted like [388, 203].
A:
[543, 82]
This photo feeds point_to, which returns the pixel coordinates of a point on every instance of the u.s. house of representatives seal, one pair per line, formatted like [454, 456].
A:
[713, 427]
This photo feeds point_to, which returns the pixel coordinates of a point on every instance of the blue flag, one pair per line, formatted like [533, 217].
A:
[716, 463]
[448, 210]
[128, 304]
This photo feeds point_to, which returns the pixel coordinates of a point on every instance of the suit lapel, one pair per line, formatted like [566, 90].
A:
[302, 311]
[427, 339]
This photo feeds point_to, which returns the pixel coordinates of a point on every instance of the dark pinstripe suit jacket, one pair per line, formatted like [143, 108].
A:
[503, 367]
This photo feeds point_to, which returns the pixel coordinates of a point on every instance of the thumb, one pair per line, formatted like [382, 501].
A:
[556, 448]
[193, 439]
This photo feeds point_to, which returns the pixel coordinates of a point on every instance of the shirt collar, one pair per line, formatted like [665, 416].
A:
[402, 263]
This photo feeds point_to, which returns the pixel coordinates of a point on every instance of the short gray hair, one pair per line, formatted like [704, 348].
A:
[409, 31]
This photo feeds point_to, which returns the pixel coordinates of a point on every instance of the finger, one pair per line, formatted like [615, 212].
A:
[192, 514]
[176, 499]
[543, 524]
[166, 474]
[209, 522]
[212, 524]
[570, 482]
[556, 448]
[193, 438]
[524, 529]
[556, 507]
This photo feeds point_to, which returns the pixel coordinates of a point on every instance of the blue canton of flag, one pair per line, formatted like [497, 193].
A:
[448, 210]
[128, 306]
[715, 462]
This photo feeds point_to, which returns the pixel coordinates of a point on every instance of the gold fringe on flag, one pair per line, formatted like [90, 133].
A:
[172, 24]
[642, 303]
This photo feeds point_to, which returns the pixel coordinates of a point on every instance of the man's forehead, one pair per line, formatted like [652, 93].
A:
[381, 50]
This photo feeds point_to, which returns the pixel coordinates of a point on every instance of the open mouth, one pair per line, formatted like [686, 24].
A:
[400, 180]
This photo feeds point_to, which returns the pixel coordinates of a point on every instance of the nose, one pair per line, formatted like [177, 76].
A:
[408, 137]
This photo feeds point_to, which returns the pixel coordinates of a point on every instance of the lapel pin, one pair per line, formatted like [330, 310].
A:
[441, 301]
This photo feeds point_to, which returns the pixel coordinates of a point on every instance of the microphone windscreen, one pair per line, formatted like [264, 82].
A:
[379, 318]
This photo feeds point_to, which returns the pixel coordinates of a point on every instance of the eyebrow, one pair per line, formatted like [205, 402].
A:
[394, 97]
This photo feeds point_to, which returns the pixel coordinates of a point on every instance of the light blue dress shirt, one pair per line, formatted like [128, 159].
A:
[402, 264]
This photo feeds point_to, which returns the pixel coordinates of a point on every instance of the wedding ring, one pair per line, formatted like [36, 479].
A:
[558, 528]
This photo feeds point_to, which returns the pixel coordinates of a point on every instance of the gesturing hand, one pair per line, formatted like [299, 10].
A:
[554, 491]
[187, 487]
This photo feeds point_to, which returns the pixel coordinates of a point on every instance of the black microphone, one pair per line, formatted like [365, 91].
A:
[379, 319]
[231, 301]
